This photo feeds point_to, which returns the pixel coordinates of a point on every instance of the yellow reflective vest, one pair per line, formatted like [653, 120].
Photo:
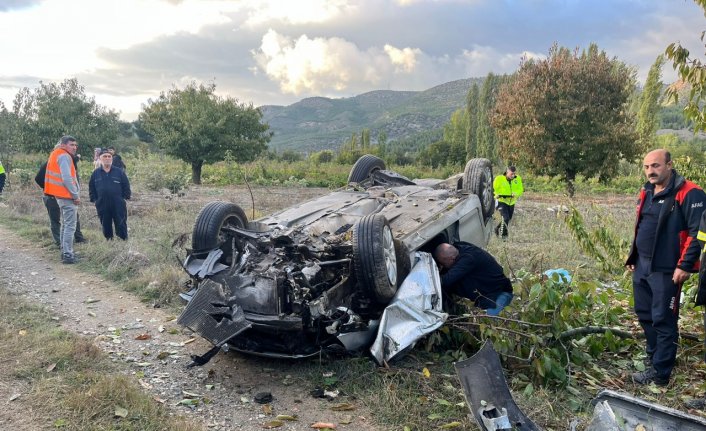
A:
[507, 191]
[2, 169]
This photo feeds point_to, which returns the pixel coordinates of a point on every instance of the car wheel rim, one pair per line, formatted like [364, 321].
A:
[390, 258]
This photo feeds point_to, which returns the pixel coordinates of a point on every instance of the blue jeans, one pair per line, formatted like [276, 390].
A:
[69, 211]
[502, 301]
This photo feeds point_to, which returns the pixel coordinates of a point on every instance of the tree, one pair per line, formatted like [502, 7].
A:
[472, 100]
[647, 115]
[693, 72]
[365, 140]
[196, 126]
[455, 133]
[52, 110]
[567, 115]
[382, 143]
[487, 145]
[6, 126]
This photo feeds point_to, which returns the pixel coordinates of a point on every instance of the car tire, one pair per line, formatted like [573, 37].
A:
[208, 233]
[374, 257]
[364, 166]
[478, 179]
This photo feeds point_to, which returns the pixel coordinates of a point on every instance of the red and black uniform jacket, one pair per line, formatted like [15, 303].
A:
[677, 226]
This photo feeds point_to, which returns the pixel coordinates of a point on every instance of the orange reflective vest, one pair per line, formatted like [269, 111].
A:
[53, 184]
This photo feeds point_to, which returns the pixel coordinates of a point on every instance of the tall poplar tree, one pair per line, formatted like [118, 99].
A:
[647, 115]
[487, 146]
[472, 113]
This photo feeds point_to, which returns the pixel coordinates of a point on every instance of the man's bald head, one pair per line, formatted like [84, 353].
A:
[658, 167]
[445, 255]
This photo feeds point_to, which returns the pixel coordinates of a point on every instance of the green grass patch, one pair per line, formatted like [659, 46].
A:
[70, 382]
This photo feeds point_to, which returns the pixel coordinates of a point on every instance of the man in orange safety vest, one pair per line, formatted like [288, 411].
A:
[62, 183]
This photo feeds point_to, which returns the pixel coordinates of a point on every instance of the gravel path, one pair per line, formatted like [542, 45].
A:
[148, 340]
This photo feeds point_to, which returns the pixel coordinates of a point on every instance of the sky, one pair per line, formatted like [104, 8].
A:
[277, 52]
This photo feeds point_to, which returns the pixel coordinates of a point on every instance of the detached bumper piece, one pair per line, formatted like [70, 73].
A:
[212, 315]
[487, 394]
[619, 411]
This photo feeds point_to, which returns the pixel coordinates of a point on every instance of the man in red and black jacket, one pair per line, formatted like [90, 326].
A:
[664, 253]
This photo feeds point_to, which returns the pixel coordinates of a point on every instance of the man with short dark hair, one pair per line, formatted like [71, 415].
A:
[108, 188]
[471, 272]
[117, 160]
[507, 189]
[61, 182]
[663, 255]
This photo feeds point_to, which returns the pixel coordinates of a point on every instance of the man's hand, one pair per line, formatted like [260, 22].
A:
[680, 276]
[630, 268]
[77, 201]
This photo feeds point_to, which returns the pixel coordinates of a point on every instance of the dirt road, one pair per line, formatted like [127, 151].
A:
[90, 306]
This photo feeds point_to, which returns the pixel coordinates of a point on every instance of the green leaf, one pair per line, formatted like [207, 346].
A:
[529, 390]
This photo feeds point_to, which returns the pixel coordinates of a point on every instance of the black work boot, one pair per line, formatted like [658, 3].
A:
[68, 259]
[649, 376]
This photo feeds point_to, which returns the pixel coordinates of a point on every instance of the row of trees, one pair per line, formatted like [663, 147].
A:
[192, 124]
[574, 113]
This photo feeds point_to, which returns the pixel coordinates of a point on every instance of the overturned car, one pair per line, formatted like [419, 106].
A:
[318, 275]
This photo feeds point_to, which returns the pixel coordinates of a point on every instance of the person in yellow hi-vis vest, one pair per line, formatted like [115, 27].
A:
[508, 189]
[2, 178]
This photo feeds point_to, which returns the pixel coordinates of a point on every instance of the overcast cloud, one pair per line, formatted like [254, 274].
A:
[279, 51]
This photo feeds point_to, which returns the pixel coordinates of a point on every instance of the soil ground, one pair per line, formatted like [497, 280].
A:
[90, 306]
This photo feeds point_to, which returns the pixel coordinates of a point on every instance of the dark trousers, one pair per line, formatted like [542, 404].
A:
[113, 213]
[657, 308]
[2, 181]
[55, 220]
[506, 212]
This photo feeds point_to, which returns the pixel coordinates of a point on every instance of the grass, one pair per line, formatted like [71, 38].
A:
[66, 381]
[401, 396]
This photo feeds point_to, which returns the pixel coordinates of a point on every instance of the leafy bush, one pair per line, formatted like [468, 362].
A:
[174, 182]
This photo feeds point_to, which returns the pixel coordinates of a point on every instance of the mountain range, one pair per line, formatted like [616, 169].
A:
[319, 123]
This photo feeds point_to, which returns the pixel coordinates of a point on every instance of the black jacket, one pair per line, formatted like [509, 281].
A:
[118, 162]
[677, 226]
[106, 187]
[475, 275]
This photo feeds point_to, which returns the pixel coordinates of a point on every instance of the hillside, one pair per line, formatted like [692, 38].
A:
[318, 123]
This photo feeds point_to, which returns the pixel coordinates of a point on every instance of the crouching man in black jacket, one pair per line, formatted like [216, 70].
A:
[108, 188]
[471, 272]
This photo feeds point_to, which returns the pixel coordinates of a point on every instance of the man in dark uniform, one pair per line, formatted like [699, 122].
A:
[471, 272]
[663, 255]
[53, 208]
[108, 188]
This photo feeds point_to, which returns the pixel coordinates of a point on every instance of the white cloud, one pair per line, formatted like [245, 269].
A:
[295, 12]
[323, 64]
[404, 59]
[482, 59]
[62, 38]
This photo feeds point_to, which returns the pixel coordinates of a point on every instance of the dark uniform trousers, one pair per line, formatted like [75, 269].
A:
[506, 212]
[113, 211]
[657, 308]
